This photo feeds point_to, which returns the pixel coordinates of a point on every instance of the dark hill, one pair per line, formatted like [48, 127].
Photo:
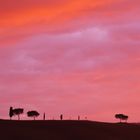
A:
[67, 130]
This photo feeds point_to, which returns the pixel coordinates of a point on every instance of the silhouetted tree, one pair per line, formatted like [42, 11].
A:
[18, 112]
[118, 116]
[121, 117]
[33, 114]
[44, 116]
[11, 114]
[125, 118]
[61, 117]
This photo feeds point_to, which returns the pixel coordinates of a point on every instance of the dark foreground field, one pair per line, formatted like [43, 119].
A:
[67, 130]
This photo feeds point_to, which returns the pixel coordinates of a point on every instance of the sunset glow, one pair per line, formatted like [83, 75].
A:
[71, 57]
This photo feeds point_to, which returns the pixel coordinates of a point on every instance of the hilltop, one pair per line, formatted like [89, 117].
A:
[67, 130]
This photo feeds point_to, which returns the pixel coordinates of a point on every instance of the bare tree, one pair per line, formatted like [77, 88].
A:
[33, 114]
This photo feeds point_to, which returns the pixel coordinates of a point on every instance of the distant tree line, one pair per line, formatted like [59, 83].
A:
[34, 114]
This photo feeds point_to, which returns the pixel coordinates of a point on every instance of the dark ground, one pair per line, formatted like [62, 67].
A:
[67, 130]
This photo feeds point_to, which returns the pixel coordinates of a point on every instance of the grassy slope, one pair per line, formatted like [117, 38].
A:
[67, 130]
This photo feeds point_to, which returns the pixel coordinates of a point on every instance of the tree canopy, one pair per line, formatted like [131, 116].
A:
[33, 114]
[121, 117]
[18, 112]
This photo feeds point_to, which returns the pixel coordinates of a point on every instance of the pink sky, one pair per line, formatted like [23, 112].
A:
[76, 57]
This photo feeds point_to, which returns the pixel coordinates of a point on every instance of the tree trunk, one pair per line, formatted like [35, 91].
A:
[18, 117]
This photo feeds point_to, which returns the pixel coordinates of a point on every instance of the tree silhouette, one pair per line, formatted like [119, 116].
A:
[33, 114]
[44, 116]
[125, 118]
[18, 112]
[121, 117]
[118, 116]
[61, 117]
[11, 114]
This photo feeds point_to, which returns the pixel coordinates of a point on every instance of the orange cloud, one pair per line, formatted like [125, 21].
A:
[32, 14]
[23, 18]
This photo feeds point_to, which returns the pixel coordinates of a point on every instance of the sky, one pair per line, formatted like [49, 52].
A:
[71, 57]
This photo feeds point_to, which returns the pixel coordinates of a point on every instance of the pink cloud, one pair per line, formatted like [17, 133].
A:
[85, 61]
